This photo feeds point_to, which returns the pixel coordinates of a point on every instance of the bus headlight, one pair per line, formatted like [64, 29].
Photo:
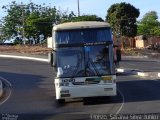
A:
[62, 84]
[107, 79]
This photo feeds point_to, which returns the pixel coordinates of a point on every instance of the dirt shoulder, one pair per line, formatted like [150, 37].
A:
[26, 49]
[43, 50]
[141, 52]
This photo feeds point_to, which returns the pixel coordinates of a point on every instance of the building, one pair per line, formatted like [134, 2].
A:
[141, 41]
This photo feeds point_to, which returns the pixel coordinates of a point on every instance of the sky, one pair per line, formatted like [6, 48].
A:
[90, 7]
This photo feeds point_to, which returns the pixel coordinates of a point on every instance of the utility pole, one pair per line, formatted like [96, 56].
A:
[23, 31]
[78, 8]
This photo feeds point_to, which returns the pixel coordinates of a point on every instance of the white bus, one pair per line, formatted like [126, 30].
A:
[83, 60]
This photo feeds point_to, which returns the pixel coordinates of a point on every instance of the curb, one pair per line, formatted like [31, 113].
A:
[123, 70]
[139, 73]
[142, 74]
[120, 70]
[145, 56]
[1, 89]
[149, 74]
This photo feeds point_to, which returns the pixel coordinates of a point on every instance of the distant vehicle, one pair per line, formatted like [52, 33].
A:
[13, 40]
[8, 42]
[83, 60]
[155, 46]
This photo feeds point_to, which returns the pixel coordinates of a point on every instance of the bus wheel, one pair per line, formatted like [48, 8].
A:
[61, 101]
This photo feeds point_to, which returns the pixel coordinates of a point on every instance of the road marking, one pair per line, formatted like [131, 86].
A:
[142, 74]
[1, 89]
[10, 91]
[158, 74]
[120, 70]
[122, 102]
[24, 57]
[6, 81]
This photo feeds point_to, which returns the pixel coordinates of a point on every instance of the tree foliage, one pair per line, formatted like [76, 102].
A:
[85, 18]
[149, 24]
[122, 18]
[13, 20]
[31, 18]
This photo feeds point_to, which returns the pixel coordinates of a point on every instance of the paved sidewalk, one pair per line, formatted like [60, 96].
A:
[141, 66]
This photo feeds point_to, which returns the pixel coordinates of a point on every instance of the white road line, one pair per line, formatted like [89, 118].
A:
[122, 102]
[10, 91]
[1, 89]
[158, 74]
[6, 81]
[25, 57]
[120, 70]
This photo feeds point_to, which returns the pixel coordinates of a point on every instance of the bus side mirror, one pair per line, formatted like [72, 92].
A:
[52, 59]
[118, 52]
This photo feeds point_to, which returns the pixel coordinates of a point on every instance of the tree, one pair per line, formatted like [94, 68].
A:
[122, 18]
[12, 22]
[85, 18]
[40, 21]
[31, 20]
[149, 24]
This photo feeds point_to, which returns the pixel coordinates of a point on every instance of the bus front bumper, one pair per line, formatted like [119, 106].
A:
[85, 91]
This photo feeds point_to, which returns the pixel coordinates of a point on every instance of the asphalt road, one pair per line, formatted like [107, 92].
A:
[143, 64]
[32, 95]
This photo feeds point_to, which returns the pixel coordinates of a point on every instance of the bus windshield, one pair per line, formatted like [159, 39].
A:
[83, 61]
[83, 36]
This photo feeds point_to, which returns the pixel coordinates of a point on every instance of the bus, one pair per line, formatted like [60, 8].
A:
[83, 60]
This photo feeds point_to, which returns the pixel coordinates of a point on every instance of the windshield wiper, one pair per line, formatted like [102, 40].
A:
[94, 67]
[77, 66]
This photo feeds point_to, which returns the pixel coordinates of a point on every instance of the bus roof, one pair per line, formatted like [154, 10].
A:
[80, 25]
